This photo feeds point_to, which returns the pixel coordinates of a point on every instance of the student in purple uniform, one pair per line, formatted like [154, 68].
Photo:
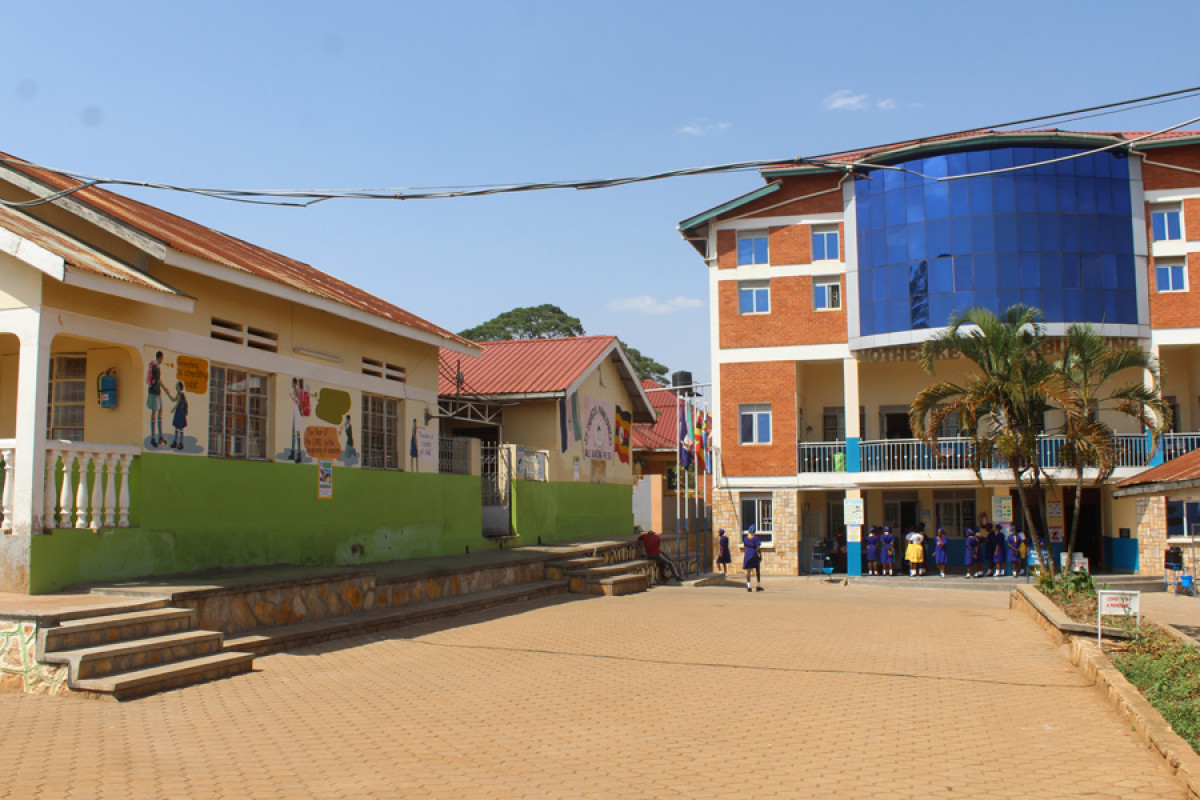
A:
[723, 558]
[887, 552]
[1014, 552]
[873, 551]
[751, 559]
[999, 552]
[985, 551]
[939, 551]
[971, 557]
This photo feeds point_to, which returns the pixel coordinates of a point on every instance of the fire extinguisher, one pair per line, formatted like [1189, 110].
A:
[106, 388]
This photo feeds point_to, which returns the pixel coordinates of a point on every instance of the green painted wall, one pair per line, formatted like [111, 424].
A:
[564, 511]
[193, 513]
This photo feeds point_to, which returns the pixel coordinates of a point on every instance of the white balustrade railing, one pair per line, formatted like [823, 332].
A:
[87, 484]
[8, 452]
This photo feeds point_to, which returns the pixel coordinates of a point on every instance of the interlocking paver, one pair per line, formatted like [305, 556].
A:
[807, 689]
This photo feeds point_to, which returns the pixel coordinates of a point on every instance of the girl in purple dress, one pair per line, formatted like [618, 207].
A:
[1014, 553]
[939, 551]
[1000, 550]
[887, 543]
[873, 551]
[972, 552]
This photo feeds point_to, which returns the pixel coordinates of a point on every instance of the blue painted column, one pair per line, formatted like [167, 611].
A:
[853, 460]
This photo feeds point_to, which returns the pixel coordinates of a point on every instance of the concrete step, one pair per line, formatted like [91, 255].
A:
[93, 631]
[619, 568]
[141, 682]
[617, 585]
[285, 637]
[135, 654]
[561, 567]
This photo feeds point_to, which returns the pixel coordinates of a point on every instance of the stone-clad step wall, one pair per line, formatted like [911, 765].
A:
[20, 670]
[402, 591]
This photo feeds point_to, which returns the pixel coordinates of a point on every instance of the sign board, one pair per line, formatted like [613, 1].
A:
[1002, 510]
[853, 512]
[854, 533]
[325, 480]
[1056, 533]
[1112, 603]
[427, 442]
[1054, 509]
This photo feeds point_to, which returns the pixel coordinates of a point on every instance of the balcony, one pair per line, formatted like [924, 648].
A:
[899, 455]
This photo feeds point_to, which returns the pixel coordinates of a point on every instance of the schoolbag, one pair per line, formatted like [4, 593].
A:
[151, 368]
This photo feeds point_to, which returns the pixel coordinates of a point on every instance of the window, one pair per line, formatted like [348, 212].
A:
[68, 388]
[825, 243]
[380, 432]
[833, 423]
[752, 248]
[1172, 403]
[754, 297]
[755, 423]
[756, 511]
[1165, 222]
[1170, 276]
[954, 511]
[827, 293]
[237, 413]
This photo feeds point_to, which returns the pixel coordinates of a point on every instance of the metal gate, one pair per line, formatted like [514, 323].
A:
[496, 470]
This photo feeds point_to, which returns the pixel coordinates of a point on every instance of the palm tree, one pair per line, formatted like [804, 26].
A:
[1000, 405]
[1089, 366]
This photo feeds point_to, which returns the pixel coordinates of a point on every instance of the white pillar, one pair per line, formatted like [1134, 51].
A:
[850, 393]
[35, 334]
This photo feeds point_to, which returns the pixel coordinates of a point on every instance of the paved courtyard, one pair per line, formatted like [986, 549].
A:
[804, 690]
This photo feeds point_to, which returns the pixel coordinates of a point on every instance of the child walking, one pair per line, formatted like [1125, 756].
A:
[972, 553]
[723, 557]
[751, 560]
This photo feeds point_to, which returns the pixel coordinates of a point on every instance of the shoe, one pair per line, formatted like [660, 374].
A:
[967, 576]
[153, 443]
[748, 588]
[758, 588]
[162, 440]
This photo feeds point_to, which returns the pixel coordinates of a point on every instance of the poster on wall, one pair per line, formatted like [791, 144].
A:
[853, 512]
[427, 449]
[598, 430]
[321, 426]
[1054, 509]
[325, 480]
[169, 379]
[1002, 510]
[1056, 534]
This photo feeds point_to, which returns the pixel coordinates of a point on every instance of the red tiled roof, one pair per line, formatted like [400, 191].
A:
[1184, 468]
[663, 433]
[197, 240]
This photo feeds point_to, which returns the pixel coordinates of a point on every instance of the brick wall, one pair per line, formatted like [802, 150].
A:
[792, 320]
[1155, 178]
[1176, 309]
[771, 382]
[782, 558]
[1151, 533]
[726, 249]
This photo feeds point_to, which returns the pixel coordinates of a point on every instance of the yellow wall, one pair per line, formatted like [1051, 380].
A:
[20, 284]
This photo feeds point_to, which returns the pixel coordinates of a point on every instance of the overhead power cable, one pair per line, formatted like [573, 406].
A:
[305, 198]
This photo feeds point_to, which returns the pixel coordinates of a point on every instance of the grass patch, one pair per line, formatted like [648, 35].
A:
[1167, 672]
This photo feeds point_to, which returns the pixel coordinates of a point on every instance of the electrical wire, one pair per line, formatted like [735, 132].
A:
[307, 198]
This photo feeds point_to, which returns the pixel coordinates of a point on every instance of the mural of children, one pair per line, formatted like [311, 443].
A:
[179, 414]
[347, 428]
[297, 420]
[154, 390]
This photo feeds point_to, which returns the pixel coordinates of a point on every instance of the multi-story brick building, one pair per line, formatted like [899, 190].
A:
[825, 281]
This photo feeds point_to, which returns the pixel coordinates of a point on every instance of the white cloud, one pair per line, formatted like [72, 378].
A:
[645, 304]
[846, 100]
[704, 127]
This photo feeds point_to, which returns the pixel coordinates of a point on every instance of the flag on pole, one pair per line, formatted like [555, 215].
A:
[685, 453]
[624, 431]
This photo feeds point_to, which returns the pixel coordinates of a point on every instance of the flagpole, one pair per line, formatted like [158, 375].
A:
[678, 466]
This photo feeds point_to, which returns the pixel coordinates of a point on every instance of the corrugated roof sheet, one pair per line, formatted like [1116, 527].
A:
[523, 366]
[663, 433]
[220, 248]
[1184, 468]
[76, 254]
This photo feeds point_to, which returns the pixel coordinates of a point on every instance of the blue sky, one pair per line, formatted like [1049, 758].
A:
[372, 95]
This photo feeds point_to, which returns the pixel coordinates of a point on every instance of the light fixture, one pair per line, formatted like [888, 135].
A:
[304, 351]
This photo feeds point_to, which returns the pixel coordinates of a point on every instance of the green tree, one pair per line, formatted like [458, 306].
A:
[645, 367]
[537, 322]
[1090, 368]
[1000, 405]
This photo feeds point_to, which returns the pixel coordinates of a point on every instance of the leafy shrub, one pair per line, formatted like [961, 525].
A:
[1167, 672]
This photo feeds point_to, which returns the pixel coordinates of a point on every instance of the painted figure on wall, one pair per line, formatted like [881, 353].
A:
[179, 415]
[300, 402]
[347, 429]
[154, 392]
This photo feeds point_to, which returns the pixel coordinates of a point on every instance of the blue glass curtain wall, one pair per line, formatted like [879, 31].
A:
[1058, 237]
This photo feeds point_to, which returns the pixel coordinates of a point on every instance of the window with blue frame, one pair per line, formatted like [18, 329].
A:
[1183, 520]
[754, 423]
[825, 244]
[827, 293]
[752, 248]
[1170, 277]
[1166, 222]
[754, 297]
